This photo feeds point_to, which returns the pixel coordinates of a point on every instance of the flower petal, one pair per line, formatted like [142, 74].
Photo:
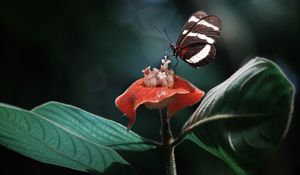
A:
[125, 102]
[183, 94]
[184, 100]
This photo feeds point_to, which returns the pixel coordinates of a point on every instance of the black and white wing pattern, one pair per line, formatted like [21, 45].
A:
[195, 44]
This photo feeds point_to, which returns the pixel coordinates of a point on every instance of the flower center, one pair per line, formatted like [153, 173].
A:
[163, 77]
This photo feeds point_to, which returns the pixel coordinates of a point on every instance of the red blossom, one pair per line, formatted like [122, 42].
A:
[171, 91]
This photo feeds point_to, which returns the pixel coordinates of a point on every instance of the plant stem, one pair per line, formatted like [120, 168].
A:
[167, 139]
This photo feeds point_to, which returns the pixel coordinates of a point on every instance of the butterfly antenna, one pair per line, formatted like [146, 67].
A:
[154, 26]
[165, 31]
[166, 52]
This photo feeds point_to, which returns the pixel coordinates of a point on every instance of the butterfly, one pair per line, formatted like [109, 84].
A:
[196, 42]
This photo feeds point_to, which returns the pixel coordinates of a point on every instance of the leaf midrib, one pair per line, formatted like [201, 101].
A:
[224, 117]
[141, 143]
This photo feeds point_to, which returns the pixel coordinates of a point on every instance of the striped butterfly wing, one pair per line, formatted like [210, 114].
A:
[196, 42]
[191, 22]
[198, 55]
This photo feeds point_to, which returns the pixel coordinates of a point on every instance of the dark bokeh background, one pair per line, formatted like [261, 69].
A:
[86, 53]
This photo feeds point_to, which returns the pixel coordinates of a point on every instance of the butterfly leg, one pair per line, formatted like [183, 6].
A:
[167, 51]
[175, 67]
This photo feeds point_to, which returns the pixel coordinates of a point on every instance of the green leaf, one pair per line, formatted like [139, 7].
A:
[94, 128]
[244, 118]
[44, 140]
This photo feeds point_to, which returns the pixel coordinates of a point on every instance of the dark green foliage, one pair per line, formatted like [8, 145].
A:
[67, 136]
[245, 117]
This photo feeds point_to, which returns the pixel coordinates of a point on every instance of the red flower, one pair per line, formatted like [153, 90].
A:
[157, 90]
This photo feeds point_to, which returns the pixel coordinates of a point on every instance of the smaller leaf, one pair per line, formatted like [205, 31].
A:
[46, 141]
[244, 118]
[94, 128]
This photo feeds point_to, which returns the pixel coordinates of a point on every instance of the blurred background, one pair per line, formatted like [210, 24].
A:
[86, 53]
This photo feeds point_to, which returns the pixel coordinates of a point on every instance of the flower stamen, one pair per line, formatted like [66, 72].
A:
[159, 77]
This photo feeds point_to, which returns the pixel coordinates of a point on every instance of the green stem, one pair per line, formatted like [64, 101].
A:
[167, 139]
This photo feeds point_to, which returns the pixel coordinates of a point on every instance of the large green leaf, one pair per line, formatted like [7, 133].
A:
[244, 118]
[94, 128]
[44, 140]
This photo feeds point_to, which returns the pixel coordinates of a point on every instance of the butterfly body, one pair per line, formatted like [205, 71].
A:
[196, 43]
